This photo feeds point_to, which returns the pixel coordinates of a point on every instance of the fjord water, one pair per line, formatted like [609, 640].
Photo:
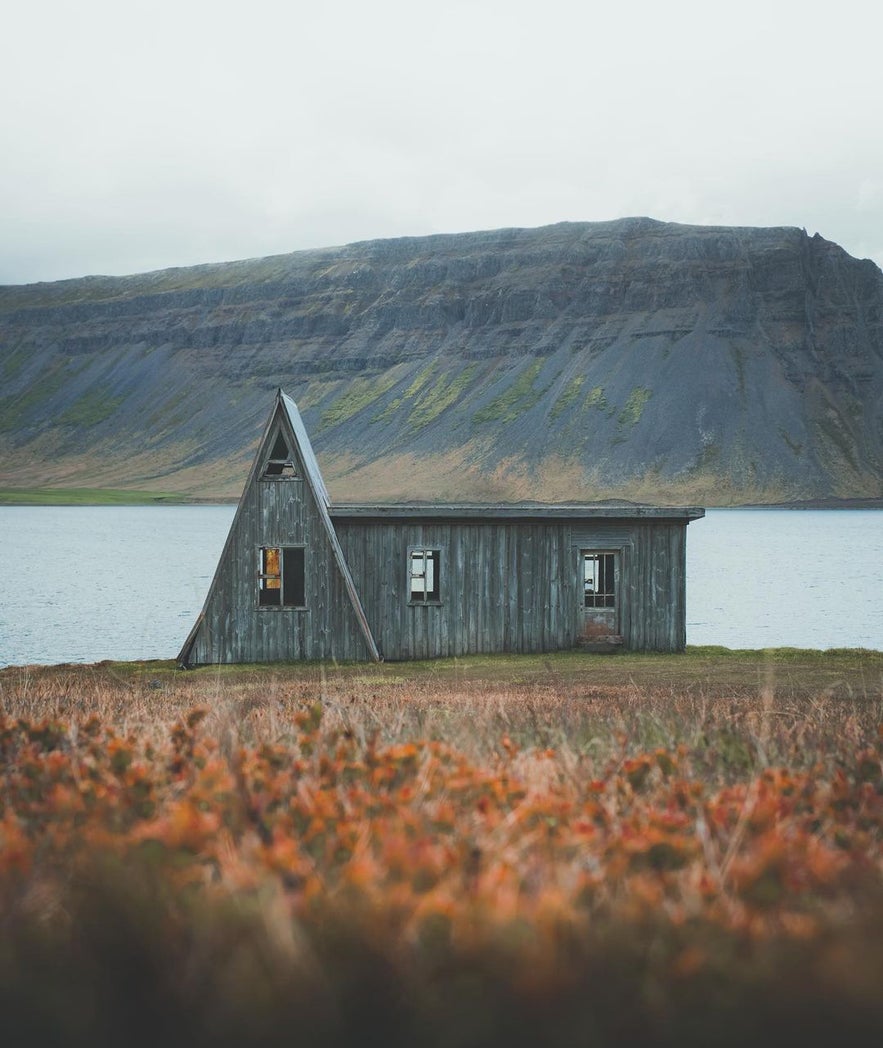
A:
[86, 583]
[83, 584]
[769, 578]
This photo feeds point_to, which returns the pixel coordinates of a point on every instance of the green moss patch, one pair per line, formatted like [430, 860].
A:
[441, 395]
[513, 402]
[634, 406]
[595, 399]
[568, 397]
[362, 393]
[92, 408]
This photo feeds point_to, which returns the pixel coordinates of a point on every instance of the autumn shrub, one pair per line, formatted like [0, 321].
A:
[318, 884]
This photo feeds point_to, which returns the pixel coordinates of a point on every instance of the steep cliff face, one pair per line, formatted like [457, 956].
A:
[633, 359]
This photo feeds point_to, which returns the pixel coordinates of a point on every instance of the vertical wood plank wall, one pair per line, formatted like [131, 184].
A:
[234, 629]
[514, 586]
[653, 608]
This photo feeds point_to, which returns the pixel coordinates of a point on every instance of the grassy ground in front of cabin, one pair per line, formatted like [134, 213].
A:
[506, 850]
[470, 701]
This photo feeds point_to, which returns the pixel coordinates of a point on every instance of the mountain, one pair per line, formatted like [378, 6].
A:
[630, 359]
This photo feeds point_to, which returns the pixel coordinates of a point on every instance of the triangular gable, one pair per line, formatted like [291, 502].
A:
[313, 477]
[285, 418]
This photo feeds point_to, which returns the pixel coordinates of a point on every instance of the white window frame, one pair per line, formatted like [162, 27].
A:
[427, 560]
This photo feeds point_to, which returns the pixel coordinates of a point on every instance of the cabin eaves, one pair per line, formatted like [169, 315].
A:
[523, 511]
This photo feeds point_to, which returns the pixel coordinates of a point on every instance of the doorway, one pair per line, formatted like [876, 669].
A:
[601, 597]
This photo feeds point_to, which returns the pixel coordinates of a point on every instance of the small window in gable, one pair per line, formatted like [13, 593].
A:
[424, 575]
[280, 463]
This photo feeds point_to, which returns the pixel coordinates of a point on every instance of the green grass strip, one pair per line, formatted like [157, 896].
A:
[87, 497]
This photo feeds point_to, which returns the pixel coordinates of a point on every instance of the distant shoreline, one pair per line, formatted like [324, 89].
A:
[120, 497]
[126, 497]
[103, 497]
[810, 504]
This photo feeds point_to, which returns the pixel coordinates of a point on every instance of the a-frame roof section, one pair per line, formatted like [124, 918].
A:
[313, 479]
[307, 455]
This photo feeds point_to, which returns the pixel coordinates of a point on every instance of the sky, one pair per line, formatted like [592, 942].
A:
[141, 135]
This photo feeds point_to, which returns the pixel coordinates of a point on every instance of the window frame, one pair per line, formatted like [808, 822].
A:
[278, 468]
[434, 597]
[263, 574]
[606, 598]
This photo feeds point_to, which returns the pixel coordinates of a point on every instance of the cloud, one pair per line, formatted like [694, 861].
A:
[146, 135]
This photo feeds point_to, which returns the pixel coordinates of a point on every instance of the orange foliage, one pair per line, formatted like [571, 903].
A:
[437, 848]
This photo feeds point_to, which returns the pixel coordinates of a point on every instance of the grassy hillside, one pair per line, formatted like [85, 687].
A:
[631, 359]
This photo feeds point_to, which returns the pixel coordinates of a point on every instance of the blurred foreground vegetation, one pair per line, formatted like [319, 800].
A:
[500, 851]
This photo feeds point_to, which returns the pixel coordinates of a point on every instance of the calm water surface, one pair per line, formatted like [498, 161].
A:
[786, 578]
[81, 584]
[85, 583]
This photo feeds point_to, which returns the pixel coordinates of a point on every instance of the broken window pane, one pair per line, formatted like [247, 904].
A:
[418, 574]
[280, 463]
[281, 577]
[293, 577]
[280, 448]
[599, 583]
[424, 574]
[270, 577]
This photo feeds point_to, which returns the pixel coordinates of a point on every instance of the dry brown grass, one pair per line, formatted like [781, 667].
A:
[648, 850]
[747, 710]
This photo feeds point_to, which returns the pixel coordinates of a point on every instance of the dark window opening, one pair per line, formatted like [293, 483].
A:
[280, 462]
[424, 575]
[599, 583]
[281, 577]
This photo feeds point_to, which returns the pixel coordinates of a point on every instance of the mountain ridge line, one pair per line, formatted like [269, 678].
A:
[632, 359]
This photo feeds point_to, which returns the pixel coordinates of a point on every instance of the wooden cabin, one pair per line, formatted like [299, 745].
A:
[300, 578]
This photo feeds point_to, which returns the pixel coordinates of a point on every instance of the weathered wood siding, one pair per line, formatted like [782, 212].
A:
[513, 586]
[653, 612]
[234, 629]
[503, 587]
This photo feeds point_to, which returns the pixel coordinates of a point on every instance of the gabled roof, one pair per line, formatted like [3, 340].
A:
[285, 406]
[308, 456]
[313, 478]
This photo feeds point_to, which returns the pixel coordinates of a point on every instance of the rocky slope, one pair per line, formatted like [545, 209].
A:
[629, 359]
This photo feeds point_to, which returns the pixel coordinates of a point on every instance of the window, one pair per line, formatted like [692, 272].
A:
[599, 582]
[280, 463]
[424, 571]
[281, 577]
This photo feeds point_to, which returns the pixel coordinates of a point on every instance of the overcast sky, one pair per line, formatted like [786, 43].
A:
[140, 135]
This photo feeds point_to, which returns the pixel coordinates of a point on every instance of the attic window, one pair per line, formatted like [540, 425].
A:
[424, 575]
[280, 463]
[281, 577]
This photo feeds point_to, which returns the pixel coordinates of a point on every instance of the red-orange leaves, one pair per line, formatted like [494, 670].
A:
[438, 851]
